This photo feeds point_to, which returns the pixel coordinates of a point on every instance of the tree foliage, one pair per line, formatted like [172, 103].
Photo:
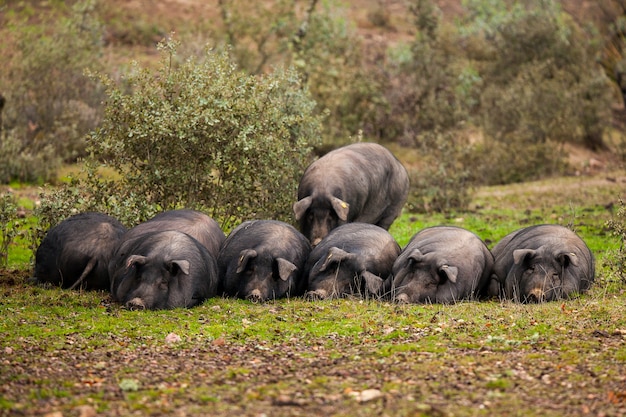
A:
[320, 41]
[617, 225]
[201, 133]
[50, 103]
[542, 87]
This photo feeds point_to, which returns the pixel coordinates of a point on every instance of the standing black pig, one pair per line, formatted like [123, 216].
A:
[354, 258]
[441, 264]
[542, 263]
[361, 182]
[262, 260]
[76, 252]
[195, 223]
[162, 270]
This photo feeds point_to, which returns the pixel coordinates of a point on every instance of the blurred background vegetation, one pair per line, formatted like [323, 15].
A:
[220, 104]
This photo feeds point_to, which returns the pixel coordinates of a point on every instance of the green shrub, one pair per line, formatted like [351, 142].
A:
[428, 88]
[319, 41]
[617, 259]
[429, 94]
[444, 181]
[496, 162]
[257, 33]
[50, 104]
[541, 80]
[9, 225]
[29, 165]
[331, 58]
[203, 134]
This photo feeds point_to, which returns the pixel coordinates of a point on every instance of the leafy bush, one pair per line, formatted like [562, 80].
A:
[50, 104]
[541, 79]
[202, 134]
[427, 87]
[519, 160]
[444, 182]
[9, 225]
[319, 41]
[617, 262]
[19, 163]
[331, 58]
[258, 33]
[429, 92]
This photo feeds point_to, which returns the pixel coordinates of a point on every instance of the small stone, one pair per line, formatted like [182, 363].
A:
[86, 411]
[172, 338]
[369, 395]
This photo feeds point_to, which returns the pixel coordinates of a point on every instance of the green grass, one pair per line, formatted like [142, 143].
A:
[63, 350]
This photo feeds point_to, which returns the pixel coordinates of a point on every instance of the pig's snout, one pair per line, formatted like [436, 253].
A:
[402, 299]
[317, 294]
[255, 296]
[136, 304]
[536, 295]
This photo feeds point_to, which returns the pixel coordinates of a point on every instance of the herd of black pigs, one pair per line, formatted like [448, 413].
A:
[347, 200]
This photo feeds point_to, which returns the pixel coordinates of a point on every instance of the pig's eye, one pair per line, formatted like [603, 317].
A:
[164, 284]
[442, 276]
[137, 270]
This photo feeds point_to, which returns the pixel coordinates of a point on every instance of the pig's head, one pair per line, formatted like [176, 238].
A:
[541, 274]
[153, 284]
[318, 216]
[423, 278]
[261, 277]
[341, 273]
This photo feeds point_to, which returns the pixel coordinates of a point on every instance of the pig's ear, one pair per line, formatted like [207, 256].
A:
[335, 255]
[341, 208]
[416, 256]
[373, 283]
[285, 268]
[450, 272]
[520, 255]
[301, 206]
[244, 256]
[134, 260]
[567, 258]
[176, 265]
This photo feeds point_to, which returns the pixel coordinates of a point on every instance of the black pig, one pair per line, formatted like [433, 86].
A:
[262, 260]
[361, 182]
[353, 259]
[162, 270]
[195, 223]
[542, 263]
[441, 264]
[76, 252]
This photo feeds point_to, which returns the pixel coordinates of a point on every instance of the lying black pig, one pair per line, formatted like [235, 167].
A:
[542, 263]
[354, 259]
[195, 223]
[76, 252]
[162, 270]
[441, 264]
[262, 260]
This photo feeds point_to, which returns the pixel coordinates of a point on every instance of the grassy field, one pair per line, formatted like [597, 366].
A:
[77, 354]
